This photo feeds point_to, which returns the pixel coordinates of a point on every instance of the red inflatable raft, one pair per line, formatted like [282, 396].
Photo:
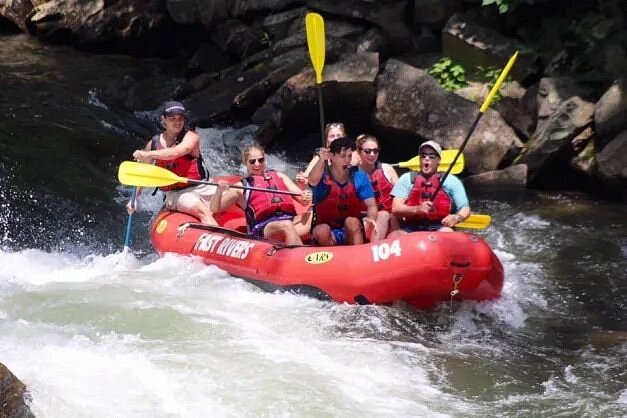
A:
[421, 268]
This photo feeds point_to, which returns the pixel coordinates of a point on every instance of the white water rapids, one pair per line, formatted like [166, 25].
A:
[115, 335]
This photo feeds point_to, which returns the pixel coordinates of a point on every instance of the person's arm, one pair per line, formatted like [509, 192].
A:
[224, 197]
[366, 195]
[455, 189]
[390, 173]
[131, 207]
[400, 192]
[305, 195]
[311, 165]
[318, 169]
[188, 145]
[372, 210]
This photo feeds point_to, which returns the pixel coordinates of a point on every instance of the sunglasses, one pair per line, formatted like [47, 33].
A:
[370, 150]
[254, 160]
[334, 125]
[430, 155]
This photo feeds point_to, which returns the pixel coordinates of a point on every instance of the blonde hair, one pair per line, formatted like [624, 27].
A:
[249, 147]
[363, 138]
[330, 126]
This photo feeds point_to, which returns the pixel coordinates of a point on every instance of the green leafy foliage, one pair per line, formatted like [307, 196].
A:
[489, 75]
[450, 75]
[504, 6]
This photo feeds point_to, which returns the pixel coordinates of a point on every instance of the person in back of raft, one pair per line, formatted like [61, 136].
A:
[338, 193]
[414, 201]
[178, 150]
[268, 214]
[382, 177]
[332, 131]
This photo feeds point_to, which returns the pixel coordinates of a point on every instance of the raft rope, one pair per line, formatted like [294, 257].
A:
[457, 279]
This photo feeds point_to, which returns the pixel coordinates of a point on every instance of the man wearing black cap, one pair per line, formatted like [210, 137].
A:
[178, 150]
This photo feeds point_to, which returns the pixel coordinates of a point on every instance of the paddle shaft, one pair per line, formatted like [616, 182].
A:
[321, 111]
[129, 223]
[234, 186]
[482, 109]
[461, 149]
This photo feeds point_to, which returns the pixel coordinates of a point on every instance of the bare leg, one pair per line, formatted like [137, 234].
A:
[397, 233]
[395, 225]
[282, 231]
[383, 223]
[192, 203]
[352, 226]
[302, 223]
[322, 234]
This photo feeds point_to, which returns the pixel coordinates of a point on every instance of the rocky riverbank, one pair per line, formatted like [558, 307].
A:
[13, 396]
[246, 61]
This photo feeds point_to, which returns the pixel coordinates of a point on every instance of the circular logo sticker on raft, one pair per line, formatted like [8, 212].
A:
[319, 257]
[161, 226]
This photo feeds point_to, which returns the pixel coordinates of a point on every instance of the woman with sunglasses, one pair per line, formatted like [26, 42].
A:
[332, 131]
[414, 200]
[268, 215]
[178, 150]
[383, 177]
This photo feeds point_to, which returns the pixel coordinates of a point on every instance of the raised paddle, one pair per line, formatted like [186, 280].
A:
[447, 158]
[314, 26]
[475, 221]
[148, 175]
[482, 109]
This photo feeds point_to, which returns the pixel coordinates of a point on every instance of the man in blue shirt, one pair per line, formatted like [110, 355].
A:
[414, 201]
[339, 193]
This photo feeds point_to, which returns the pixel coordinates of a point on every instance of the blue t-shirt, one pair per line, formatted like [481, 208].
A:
[452, 186]
[360, 180]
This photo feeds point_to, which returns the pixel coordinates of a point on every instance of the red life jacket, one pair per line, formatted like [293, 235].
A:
[340, 202]
[185, 166]
[382, 188]
[262, 205]
[422, 191]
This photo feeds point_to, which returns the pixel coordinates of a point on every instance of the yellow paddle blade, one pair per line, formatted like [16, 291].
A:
[146, 175]
[314, 25]
[448, 156]
[498, 83]
[475, 221]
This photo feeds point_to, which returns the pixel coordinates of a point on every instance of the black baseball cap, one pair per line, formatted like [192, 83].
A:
[174, 108]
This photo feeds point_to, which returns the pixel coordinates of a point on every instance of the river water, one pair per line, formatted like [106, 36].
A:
[94, 332]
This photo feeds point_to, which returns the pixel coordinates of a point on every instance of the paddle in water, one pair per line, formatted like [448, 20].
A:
[129, 223]
[147, 175]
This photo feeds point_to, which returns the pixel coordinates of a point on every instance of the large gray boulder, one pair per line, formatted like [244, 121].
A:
[13, 396]
[411, 101]
[16, 12]
[473, 45]
[130, 25]
[388, 15]
[348, 92]
[513, 176]
[610, 113]
[612, 165]
[551, 147]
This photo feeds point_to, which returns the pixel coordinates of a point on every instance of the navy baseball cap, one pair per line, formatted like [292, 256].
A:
[174, 108]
